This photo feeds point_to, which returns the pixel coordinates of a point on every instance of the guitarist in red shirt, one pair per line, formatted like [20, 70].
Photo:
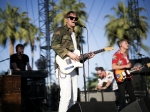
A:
[120, 61]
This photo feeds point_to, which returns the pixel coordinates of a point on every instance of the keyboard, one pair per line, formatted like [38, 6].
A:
[32, 74]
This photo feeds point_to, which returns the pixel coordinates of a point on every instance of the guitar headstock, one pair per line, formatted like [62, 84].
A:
[108, 48]
[148, 64]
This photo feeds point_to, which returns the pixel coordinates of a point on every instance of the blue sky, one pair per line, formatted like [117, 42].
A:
[96, 10]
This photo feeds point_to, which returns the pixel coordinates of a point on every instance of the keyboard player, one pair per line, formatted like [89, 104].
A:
[19, 62]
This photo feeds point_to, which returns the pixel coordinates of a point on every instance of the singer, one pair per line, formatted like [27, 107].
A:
[64, 42]
[19, 61]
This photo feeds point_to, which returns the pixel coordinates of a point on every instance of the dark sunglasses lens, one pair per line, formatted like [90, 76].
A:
[71, 18]
[76, 19]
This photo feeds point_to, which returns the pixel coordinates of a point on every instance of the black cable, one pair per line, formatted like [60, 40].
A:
[84, 75]
[146, 8]
[91, 8]
[98, 46]
[5, 59]
[4, 48]
[88, 43]
[32, 9]
[99, 14]
[26, 6]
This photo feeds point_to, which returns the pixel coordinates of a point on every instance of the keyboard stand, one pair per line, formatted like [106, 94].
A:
[30, 96]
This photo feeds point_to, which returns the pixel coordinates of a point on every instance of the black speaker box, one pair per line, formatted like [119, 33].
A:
[136, 106]
[93, 107]
[139, 77]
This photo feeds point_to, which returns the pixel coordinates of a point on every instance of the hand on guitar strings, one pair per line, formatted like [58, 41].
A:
[91, 55]
[136, 68]
[73, 56]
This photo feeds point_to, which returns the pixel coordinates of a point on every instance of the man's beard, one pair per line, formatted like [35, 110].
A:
[101, 77]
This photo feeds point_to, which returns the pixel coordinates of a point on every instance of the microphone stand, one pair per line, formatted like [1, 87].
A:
[84, 76]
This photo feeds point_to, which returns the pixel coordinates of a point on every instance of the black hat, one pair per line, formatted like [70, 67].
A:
[99, 68]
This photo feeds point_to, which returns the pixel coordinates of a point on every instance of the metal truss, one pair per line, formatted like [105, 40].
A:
[134, 25]
[46, 14]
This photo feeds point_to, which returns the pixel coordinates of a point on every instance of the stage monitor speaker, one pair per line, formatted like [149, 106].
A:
[136, 106]
[94, 107]
[95, 96]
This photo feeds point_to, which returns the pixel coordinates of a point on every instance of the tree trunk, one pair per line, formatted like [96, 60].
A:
[11, 47]
[32, 51]
[11, 50]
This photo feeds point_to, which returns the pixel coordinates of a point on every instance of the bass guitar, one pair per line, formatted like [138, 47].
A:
[121, 75]
[67, 65]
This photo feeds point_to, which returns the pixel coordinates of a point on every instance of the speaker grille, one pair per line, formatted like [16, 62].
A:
[136, 106]
[93, 107]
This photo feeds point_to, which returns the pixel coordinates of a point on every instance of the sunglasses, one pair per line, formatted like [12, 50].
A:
[73, 18]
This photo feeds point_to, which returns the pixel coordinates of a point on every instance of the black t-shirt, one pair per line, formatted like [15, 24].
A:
[21, 63]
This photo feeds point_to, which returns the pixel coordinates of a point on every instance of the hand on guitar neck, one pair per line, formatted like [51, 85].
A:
[137, 68]
[90, 55]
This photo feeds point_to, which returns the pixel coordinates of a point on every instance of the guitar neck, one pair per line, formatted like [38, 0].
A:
[84, 56]
[99, 51]
[136, 69]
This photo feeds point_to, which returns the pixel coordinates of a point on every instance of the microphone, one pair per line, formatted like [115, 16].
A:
[78, 24]
[139, 54]
[42, 55]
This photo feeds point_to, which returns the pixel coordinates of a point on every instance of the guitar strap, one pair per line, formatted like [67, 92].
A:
[57, 74]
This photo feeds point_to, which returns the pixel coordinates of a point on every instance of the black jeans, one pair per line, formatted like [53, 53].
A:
[125, 87]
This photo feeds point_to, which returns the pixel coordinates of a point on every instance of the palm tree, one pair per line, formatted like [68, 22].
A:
[65, 6]
[92, 81]
[16, 26]
[12, 26]
[118, 26]
[33, 30]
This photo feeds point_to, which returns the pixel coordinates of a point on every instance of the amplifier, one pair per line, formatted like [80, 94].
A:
[97, 96]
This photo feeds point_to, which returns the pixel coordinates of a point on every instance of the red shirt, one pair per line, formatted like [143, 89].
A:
[120, 59]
